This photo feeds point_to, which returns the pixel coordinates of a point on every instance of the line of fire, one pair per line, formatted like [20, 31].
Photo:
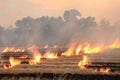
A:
[78, 58]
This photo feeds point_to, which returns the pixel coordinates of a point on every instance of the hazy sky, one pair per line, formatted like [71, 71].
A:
[12, 10]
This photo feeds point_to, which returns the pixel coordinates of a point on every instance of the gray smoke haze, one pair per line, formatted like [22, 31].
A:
[62, 30]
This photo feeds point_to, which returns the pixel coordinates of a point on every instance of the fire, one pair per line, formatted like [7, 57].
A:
[89, 49]
[23, 56]
[84, 62]
[36, 55]
[78, 50]
[13, 50]
[13, 62]
[70, 51]
[36, 58]
[83, 48]
[74, 49]
[50, 55]
[115, 44]
[6, 50]
[103, 70]
[33, 47]
[6, 66]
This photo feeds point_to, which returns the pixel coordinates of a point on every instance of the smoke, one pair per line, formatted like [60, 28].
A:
[61, 30]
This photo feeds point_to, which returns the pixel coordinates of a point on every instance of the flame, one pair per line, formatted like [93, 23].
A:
[115, 44]
[78, 50]
[13, 50]
[51, 55]
[89, 49]
[6, 66]
[23, 56]
[36, 55]
[36, 58]
[83, 63]
[70, 51]
[33, 47]
[13, 63]
[6, 50]
[85, 47]
[74, 49]
[105, 70]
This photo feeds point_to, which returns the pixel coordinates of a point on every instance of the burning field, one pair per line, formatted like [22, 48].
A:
[68, 47]
[83, 61]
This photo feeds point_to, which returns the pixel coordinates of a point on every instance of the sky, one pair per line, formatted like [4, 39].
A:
[13, 10]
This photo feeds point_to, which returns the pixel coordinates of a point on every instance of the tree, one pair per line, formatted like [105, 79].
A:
[71, 14]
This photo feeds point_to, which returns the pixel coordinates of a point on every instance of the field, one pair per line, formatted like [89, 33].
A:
[65, 68]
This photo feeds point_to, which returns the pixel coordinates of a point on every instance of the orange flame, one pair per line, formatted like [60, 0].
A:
[70, 51]
[36, 58]
[85, 47]
[13, 50]
[6, 66]
[6, 50]
[105, 70]
[33, 47]
[51, 55]
[23, 56]
[89, 49]
[115, 44]
[84, 62]
[74, 49]
[13, 63]
[78, 50]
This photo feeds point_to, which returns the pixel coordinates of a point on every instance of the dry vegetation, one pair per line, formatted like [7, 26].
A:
[63, 68]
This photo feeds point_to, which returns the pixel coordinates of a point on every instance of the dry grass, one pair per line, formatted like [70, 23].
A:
[60, 65]
[65, 66]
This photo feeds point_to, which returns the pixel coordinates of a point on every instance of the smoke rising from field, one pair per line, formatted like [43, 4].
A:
[62, 30]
